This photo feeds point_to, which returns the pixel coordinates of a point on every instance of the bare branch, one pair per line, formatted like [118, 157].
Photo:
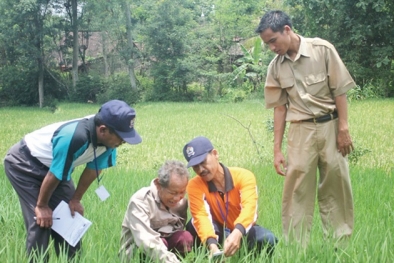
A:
[250, 134]
[58, 81]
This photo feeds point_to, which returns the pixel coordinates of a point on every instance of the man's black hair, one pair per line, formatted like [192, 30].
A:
[276, 20]
[98, 121]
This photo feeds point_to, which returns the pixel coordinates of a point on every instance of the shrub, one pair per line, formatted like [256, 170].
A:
[357, 153]
[368, 91]
[118, 87]
[87, 88]
[19, 86]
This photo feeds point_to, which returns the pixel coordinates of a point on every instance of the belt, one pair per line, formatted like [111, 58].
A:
[26, 151]
[321, 119]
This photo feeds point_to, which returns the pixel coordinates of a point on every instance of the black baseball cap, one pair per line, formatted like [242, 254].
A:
[119, 116]
[197, 150]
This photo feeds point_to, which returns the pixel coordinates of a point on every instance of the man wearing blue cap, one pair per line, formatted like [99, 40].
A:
[39, 167]
[223, 203]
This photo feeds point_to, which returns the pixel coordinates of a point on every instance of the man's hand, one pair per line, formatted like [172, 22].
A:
[279, 129]
[42, 210]
[344, 142]
[213, 248]
[75, 206]
[280, 164]
[44, 216]
[232, 243]
[86, 179]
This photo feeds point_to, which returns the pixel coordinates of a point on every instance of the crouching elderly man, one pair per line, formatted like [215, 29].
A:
[155, 218]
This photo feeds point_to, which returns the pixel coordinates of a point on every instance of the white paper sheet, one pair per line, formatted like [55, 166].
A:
[70, 228]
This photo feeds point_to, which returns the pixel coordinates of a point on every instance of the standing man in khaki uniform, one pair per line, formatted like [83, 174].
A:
[306, 85]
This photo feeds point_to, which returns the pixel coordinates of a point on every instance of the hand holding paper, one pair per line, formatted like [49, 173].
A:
[70, 228]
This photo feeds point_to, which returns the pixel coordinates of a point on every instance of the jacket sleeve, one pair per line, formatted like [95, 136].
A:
[200, 211]
[248, 191]
[138, 218]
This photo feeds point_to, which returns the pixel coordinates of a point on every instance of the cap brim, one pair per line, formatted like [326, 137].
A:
[197, 160]
[131, 137]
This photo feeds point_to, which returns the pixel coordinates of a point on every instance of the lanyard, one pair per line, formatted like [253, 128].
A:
[95, 165]
[224, 216]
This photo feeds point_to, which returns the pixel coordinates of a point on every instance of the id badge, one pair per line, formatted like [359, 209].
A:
[102, 193]
[226, 232]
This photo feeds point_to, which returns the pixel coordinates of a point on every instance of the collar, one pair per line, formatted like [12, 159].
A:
[228, 181]
[302, 50]
[153, 190]
[92, 132]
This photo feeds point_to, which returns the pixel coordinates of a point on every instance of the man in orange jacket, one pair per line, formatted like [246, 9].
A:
[223, 202]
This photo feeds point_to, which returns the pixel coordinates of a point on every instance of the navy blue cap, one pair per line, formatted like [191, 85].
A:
[119, 116]
[197, 150]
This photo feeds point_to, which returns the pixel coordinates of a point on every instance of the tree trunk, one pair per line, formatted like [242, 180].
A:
[40, 61]
[41, 81]
[130, 63]
[74, 9]
[106, 65]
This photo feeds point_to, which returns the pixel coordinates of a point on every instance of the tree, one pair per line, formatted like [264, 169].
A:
[74, 25]
[130, 46]
[23, 45]
[167, 39]
[253, 65]
[361, 30]
[223, 24]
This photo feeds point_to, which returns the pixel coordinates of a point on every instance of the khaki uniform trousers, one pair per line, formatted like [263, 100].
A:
[310, 147]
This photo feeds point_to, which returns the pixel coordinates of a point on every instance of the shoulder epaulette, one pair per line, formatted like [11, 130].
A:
[321, 42]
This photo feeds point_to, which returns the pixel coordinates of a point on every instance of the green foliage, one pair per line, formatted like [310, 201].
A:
[18, 86]
[361, 30]
[251, 68]
[169, 46]
[200, 93]
[87, 88]
[357, 153]
[369, 91]
[235, 95]
[180, 42]
[146, 86]
[269, 125]
[118, 87]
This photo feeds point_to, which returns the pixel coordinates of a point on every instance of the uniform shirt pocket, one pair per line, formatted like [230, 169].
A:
[287, 82]
[316, 84]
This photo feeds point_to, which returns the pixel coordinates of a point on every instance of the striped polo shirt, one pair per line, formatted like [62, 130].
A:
[65, 145]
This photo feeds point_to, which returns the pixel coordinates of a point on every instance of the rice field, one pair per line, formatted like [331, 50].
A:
[241, 134]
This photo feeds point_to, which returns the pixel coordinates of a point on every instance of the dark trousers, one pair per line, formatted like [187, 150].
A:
[26, 175]
[257, 238]
[179, 242]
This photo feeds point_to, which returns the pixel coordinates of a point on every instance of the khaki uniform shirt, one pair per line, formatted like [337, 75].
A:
[309, 84]
[147, 220]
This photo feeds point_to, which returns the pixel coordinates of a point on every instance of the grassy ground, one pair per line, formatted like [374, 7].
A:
[241, 134]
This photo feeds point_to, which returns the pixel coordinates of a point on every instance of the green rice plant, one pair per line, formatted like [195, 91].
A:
[166, 127]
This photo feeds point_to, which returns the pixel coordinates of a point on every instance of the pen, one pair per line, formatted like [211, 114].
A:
[53, 218]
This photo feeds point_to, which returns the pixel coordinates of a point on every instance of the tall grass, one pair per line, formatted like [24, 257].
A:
[166, 127]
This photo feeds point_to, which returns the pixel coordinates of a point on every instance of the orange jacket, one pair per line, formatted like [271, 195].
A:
[206, 204]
